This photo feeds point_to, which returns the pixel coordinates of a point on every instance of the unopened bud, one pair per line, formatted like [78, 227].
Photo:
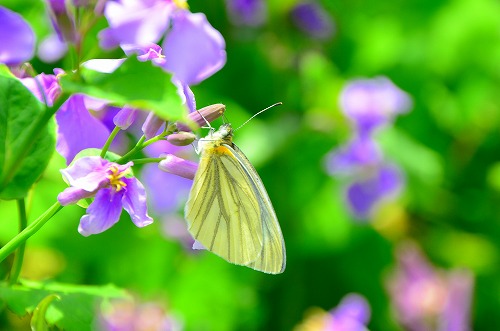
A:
[151, 125]
[125, 117]
[208, 113]
[177, 166]
[181, 139]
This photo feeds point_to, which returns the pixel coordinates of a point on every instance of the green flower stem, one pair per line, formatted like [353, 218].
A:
[110, 140]
[147, 160]
[134, 150]
[18, 261]
[28, 138]
[29, 231]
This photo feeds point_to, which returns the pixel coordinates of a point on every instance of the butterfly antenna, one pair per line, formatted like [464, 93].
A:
[263, 110]
[206, 121]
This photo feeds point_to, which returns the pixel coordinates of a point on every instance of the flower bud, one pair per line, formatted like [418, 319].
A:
[208, 113]
[177, 166]
[181, 139]
[125, 117]
[151, 125]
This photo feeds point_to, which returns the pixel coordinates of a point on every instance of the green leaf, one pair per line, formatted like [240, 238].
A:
[38, 322]
[137, 84]
[21, 164]
[76, 309]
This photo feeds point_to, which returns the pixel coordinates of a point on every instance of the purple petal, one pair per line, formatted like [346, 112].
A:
[145, 53]
[52, 49]
[77, 129]
[72, 195]
[134, 202]
[186, 94]
[456, 316]
[166, 192]
[371, 103]
[49, 85]
[103, 213]
[313, 20]
[352, 310]
[359, 153]
[135, 22]
[247, 12]
[17, 40]
[365, 194]
[88, 173]
[190, 36]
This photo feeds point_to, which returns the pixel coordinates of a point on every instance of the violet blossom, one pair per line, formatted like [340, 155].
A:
[17, 40]
[313, 20]
[351, 314]
[426, 298]
[369, 104]
[247, 12]
[93, 176]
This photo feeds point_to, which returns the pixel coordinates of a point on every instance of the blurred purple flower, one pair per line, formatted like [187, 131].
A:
[107, 181]
[247, 12]
[126, 315]
[17, 40]
[52, 48]
[371, 103]
[63, 21]
[428, 299]
[145, 53]
[313, 20]
[357, 155]
[77, 129]
[167, 192]
[351, 314]
[364, 194]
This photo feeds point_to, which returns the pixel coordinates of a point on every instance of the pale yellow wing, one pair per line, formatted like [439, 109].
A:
[230, 213]
[272, 258]
[222, 210]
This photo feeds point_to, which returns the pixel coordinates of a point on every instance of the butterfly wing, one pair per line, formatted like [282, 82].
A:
[229, 212]
[272, 258]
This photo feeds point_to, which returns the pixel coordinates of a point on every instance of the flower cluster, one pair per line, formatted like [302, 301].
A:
[351, 314]
[425, 298]
[370, 104]
[83, 122]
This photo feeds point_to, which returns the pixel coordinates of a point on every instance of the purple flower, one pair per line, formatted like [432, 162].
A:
[52, 48]
[167, 192]
[351, 314]
[107, 181]
[126, 315]
[17, 40]
[190, 36]
[364, 194]
[135, 22]
[360, 153]
[426, 298]
[313, 20]
[371, 103]
[77, 129]
[247, 12]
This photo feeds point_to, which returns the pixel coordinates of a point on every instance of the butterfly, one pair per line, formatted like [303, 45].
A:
[228, 210]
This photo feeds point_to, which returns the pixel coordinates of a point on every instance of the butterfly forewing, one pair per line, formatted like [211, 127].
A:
[222, 212]
[272, 258]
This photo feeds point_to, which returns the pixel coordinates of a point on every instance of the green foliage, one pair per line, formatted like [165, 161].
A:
[74, 309]
[133, 83]
[21, 164]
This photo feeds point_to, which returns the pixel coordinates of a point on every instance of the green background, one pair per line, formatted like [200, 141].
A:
[445, 54]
